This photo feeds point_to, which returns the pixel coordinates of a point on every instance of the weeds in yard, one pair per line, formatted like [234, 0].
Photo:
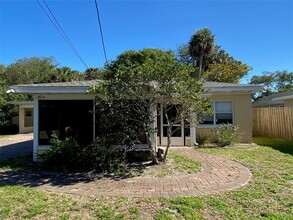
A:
[176, 164]
[183, 163]
[201, 140]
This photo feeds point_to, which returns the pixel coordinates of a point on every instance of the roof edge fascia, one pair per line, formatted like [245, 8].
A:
[84, 89]
[49, 90]
[236, 89]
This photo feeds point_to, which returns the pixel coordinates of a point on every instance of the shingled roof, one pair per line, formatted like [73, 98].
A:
[83, 86]
[272, 100]
[209, 84]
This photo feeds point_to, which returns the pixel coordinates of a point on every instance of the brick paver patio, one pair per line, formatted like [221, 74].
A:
[219, 174]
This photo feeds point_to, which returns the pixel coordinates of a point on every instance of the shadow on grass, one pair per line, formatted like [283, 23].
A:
[284, 146]
[23, 172]
[19, 163]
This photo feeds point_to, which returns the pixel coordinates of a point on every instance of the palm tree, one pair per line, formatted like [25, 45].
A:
[200, 45]
[92, 73]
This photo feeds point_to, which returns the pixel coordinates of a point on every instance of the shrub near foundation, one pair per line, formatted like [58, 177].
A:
[67, 155]
[103, 158]
[63, 155]
[226, 135]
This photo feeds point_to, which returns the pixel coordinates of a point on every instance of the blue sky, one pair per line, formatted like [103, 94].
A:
[256, 32]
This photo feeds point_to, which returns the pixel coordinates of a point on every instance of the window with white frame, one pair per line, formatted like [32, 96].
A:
[222, 114]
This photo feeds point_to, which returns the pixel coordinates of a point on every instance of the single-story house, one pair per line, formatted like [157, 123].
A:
[282, 99]
[67, 108]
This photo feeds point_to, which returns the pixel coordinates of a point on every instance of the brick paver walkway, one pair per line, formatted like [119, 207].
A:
[219, 174]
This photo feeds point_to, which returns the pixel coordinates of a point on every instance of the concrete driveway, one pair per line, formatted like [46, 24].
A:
[16, 145]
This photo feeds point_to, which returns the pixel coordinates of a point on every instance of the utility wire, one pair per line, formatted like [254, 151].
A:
[60, 30]
[101, 31]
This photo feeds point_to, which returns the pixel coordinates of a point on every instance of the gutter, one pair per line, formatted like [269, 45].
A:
[236, 89]
[84, 89]
[49, 89]
[283, 98]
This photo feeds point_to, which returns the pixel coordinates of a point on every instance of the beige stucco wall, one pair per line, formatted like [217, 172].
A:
[242, 115]
[288, 103]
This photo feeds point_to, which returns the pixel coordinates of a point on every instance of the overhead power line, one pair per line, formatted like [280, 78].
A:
[60, 30]
[101, 31]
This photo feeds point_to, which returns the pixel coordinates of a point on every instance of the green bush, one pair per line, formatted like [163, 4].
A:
[226, 135]
[63, 155]
[67, 155]
[102, 158]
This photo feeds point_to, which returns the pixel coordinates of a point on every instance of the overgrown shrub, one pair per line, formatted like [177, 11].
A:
[226, 135]
[67, 155]
[201, 140]
[63, 155]
[101, 158]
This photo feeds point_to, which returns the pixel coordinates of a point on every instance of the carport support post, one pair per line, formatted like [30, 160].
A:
[36, 128]
[21, 117]
[153, 126]
[193, 132]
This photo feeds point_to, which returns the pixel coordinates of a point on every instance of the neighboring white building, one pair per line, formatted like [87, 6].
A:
[25, 118]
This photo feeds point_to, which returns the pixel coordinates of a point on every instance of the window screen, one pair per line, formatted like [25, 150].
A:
[223, 111]
[222, 114]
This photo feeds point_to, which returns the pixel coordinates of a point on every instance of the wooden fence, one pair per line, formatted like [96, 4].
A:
[273, 122]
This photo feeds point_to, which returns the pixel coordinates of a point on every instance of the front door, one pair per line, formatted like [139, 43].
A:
[177, 137]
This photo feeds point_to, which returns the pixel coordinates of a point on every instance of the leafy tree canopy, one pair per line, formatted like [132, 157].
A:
[217, 65]
[30, 70]
[231, 72]
[278, 81]
[7, 111]
[154, 76]
[151, 74]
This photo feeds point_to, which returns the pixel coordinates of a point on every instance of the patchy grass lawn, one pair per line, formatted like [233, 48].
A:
[281, 145]
[268, 195]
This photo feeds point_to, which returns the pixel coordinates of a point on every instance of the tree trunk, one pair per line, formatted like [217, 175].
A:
[154, 157]
[169, 133]
[169, 128]
[200, 66]
[152, 152]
